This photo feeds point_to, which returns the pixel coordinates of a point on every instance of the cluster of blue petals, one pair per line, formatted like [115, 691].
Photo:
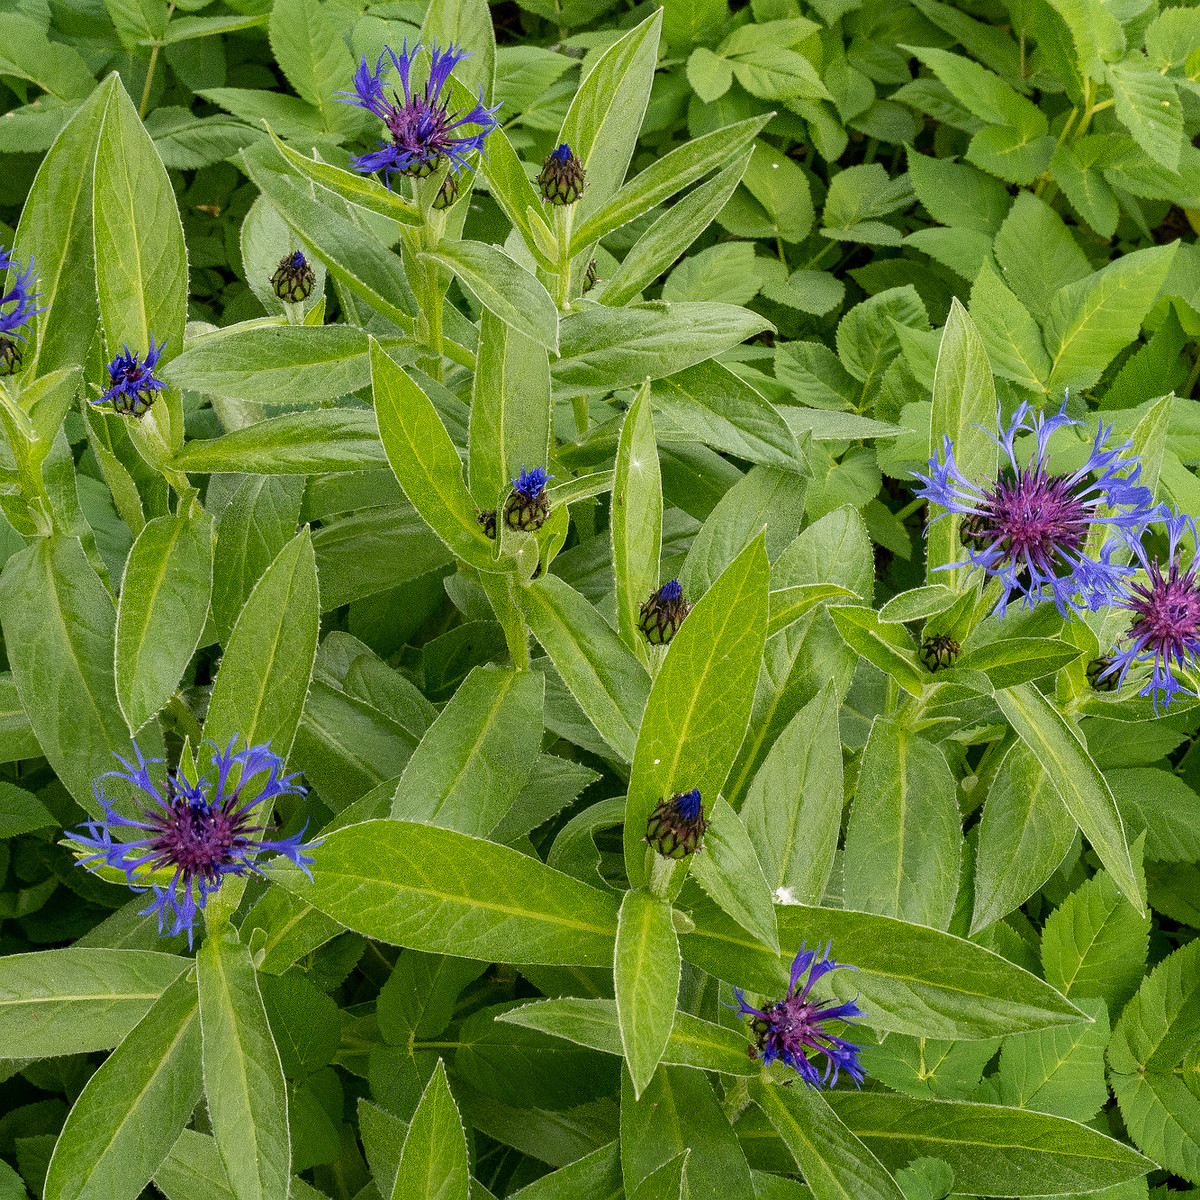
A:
[20, 296]
[1030, 528]
[795, 1026]
[422, 128]
[202, 832]
[670, 591]
[131, 382]
[531, 484]
[689, 805]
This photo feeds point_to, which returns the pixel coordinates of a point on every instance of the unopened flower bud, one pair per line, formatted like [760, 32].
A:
[663, 613]
[10, 356]
[487, 519]
[447, 193]
[528, 505]
[676, 826]
[939, 651]
[294, 279]
[563, 178]
[1101, 676]
[589, 277]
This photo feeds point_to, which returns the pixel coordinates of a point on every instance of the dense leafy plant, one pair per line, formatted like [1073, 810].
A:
[477, 487]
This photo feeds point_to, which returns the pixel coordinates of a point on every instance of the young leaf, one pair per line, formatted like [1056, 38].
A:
[433, 1162]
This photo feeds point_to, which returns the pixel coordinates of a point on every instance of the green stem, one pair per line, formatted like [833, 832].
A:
[580, 405]
[910, 508]
[564, 219]
[144, 106]
[432, 312]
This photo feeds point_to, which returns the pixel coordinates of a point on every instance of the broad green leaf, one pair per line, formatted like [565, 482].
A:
[433, 1162]
[440, 891]
[194, 1171]
[291, 929]
[910, 978]
[992, 1150]
[904, 836]
[646, 978]
[476, 756]
[1148, 104]
[835, 1164]
[789, 604]
[465, 23]
[699, 706]
[1014, 660]
[636, 520]
[141, 259]
[333, 439]
[138, 21]
[160, 617]
[1025, 833]
[512, 191]
[610, 685]
[1060, 750]
[793, 808]
[78, 999]
[425, 462]
[510, 410]
[307, 45]
[887, 646]
[596, 1176]
[964, 405]
[503, 287]
[133, 1108]
[54, 67]
[1010, 334]
[60, 631]
[259, 691]
[243, 1078]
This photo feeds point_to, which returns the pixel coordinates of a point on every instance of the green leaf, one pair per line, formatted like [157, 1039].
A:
[433, 1162]
[1010, 334]
[464, 23]
[259, 691]
[835, 1164]
[910, 979]
[476, 756]
[789, 604]
[141, 259]
[1015, 660]
[1164, 806]
[138, 21]
[964, 405]
[793, 808]
[160, 617]
[777, 202]
[425, 462]
[857, 197]
[334, 439]
[243, 1078]
[636, 520]
[888, 646]
[134, 1107]
[503, 287]
[989, 1147]
[610, 685]
[78, 999]
[60, 631]
[699, 706]
[1025, 833]
[194, 1171]
[54, 67]
[440, 891]
[307, 45]
[1060, 750]
[646, 977]
[1148, 104]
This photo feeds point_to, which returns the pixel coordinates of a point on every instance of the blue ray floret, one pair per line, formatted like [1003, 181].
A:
[1165, 630]
[531, 484]
[795, 1025]
[421, 126]
[16, 318]
[202, 832]
[131, 381]
[1030, 528]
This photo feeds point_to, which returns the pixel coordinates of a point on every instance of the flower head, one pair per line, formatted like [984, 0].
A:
[1165, 630]
[527, 505]
[1030, 528]
[563, 178]
[795, 1025]
[663, 613]
[294, 278]
[421, 125]
[676, 826]
[19, 316]
[202, 832]
[132, 383]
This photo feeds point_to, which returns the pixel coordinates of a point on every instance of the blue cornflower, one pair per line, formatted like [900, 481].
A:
[528, 505]
[132, 382]
[421, 127]
[1165, 629]
[661, 615]
[199, 831]
[793, 1026]
[19, 316]
[1030, 528]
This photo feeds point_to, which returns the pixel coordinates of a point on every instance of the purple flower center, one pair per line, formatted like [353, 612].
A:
[1035, 518]
[1168, 612]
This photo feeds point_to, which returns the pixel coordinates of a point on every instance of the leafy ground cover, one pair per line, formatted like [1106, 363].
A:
[636, 565]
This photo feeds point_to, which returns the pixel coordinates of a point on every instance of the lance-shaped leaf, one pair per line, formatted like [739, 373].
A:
[887, 646]
[433, 1162]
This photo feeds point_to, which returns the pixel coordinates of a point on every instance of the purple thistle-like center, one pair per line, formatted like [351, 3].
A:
[1033, 517]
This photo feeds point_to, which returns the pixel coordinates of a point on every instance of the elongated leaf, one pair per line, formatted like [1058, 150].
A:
[911, 979]
[1015, 660]
[610, 685]
[888, 646]
[438, 890]
[433, 1162]
[1060, 750]
[835, 1164]
[646, 977]
[699, 706]
[465, 23]
[243, 1078]
[133, 1108]
[789, 604]
[78, 999]
[596, 1176]
[259, 691]
[162, 610]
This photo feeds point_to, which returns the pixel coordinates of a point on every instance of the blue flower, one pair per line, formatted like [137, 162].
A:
[132, 382]
[793, 1026]
[1030, 528]
[688, 805]
[531, 484]
[200, 832]
[670, 591]
[1165, 629]
[18, 317]
[421, 127]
